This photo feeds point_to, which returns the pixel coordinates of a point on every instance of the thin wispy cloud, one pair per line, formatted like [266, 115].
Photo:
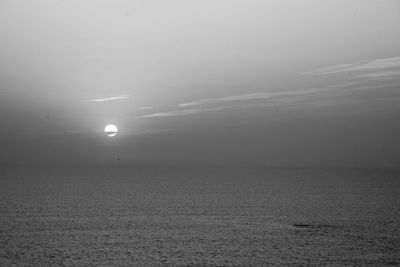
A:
[236, 101]
[112, 98]
[249, 97]
[182, 112]
[378, 69]
[382, 75]
[188, 104]
[145, 108]
[242, 97]
[365, 65]
[171, 113]
[294, 98]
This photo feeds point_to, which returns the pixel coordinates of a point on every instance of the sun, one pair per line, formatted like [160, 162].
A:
[111, 130]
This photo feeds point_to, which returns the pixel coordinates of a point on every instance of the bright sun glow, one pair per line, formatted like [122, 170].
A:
[111, 130]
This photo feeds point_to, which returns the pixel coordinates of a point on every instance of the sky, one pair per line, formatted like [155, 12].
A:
[225, 82]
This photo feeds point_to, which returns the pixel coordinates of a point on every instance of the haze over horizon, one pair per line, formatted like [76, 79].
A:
[240, 83]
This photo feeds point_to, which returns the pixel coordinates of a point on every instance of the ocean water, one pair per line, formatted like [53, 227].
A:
[201, 218]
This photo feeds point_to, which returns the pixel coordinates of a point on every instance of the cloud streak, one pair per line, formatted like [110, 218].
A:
[365, 73]
[365, 65]
[381, 75]
[273, 96]
[112, 98]
[183, 112]
[171, 113]
[237, 101]
[295, 98]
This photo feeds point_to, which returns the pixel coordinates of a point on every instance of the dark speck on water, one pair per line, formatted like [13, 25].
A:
[205, 218]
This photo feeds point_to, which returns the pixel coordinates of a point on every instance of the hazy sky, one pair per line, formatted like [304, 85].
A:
[265, 83]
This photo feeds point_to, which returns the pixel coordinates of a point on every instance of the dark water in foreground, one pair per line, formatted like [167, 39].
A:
[221, 218]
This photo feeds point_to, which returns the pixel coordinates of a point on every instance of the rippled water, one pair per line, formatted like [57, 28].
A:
[216, 218]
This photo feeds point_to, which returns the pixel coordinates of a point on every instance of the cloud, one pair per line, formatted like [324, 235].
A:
[381, 75]
[273, 96]
[189, 104]
[182, 112]
[382, 69]
[236, 101]
[171, 113]
[109, 98]
[365, 65]
[145, 108]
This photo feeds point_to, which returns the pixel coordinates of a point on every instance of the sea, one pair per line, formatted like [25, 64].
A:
[200, 217]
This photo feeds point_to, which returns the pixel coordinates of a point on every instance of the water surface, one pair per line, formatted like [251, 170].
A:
[216, 218]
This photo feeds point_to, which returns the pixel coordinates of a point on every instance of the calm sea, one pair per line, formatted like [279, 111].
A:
[206, 218]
